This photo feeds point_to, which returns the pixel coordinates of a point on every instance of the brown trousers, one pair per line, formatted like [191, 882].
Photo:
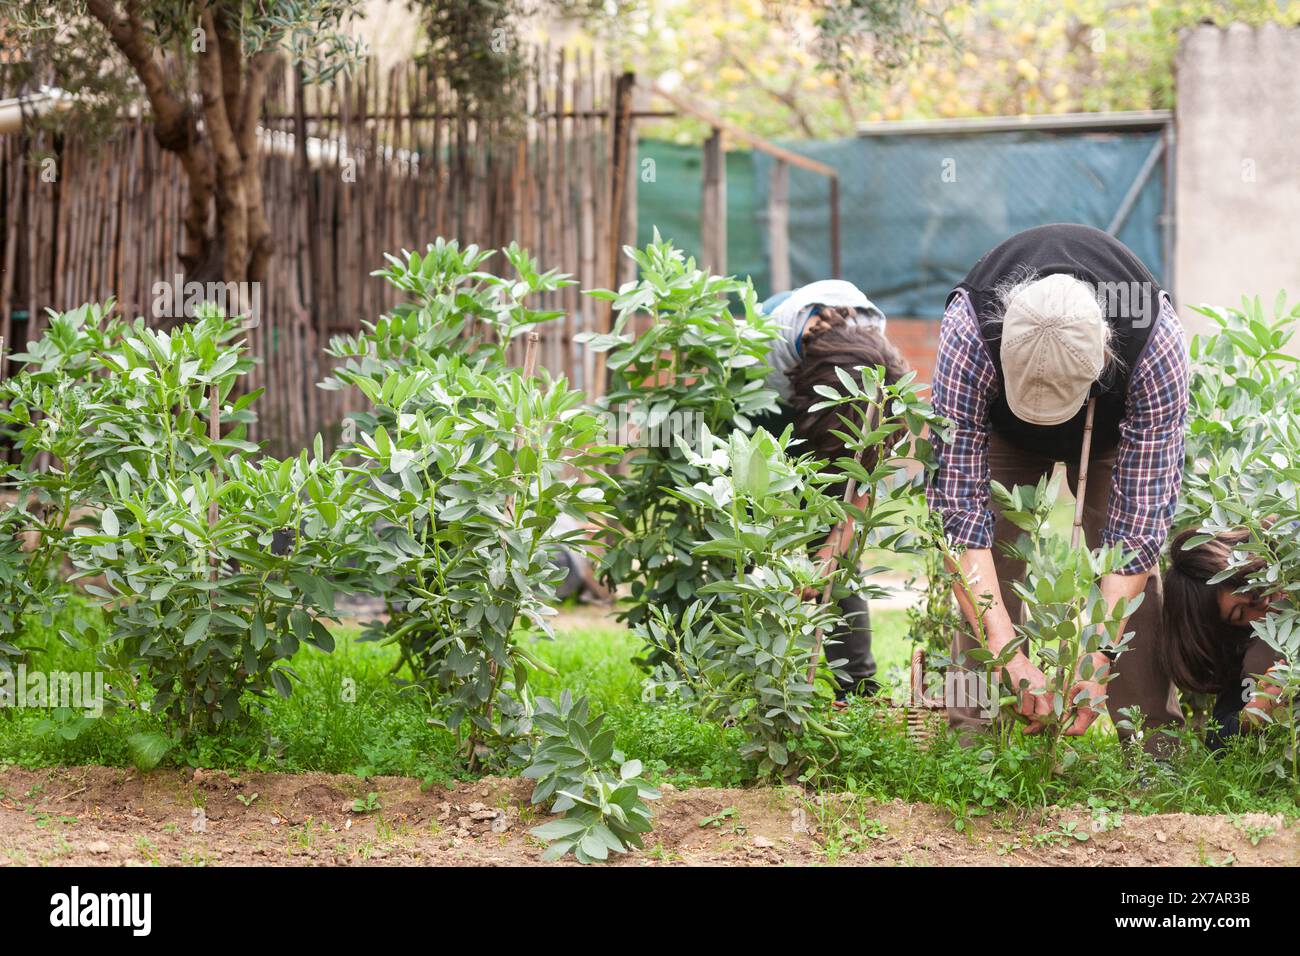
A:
[1140, 680]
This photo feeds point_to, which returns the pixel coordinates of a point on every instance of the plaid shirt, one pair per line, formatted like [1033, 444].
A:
[1148, 468]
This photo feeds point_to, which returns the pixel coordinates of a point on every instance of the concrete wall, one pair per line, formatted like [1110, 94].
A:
[1237, 166]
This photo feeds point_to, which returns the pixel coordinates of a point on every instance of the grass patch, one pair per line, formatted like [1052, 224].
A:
[348, 715]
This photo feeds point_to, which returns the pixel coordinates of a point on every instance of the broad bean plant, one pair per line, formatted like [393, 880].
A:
[679, 363]
[741, 650]
[453, 307]
[47, 410]
[1243, 472]
[1066, 619]
[580, 774]
[169, 519]
[464, 491]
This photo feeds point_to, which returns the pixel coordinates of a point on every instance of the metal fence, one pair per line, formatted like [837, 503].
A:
[921, 202]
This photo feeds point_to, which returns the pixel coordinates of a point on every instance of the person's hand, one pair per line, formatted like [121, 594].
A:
[823, 559]
[1032, 703]
[1255, 715]
[1084, 715]
[1093, 691]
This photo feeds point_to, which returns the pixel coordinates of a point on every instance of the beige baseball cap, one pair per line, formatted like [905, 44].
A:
[1053, 349]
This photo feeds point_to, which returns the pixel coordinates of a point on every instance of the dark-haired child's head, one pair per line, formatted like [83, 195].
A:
[1206, 626]
[835, 343]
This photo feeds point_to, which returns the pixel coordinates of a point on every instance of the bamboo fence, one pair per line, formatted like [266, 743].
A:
[395, 161]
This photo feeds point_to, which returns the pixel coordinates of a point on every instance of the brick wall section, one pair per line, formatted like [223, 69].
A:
[917, 339]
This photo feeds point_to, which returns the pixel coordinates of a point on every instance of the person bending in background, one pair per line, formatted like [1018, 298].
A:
[824, 326]
[1207, 643]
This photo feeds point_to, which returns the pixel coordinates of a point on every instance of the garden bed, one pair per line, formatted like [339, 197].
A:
[113, 816]
[230, 615]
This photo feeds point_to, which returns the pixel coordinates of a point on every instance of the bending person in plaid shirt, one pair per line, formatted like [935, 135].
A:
[1048, 319]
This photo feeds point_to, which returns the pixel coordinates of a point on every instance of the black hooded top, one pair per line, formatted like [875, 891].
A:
[1130, 298]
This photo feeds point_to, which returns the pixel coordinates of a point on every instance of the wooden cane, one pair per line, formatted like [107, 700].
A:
[530, 353]
[835, 539]
[532, 341]
[214, 435]
[1082, 488]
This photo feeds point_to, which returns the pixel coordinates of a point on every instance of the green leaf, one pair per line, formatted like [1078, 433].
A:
[197, 630]
[558, 829]
[148, 749]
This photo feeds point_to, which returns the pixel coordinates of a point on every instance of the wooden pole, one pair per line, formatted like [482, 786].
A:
[622, 150]
[778, 226]
[214, 434]
[834, 540]
[621, 121]
[713, 206]
[836, 265]
[1082, 487]
[532, 340]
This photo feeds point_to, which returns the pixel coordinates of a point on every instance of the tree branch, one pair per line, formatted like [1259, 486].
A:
[232, 217]
[172, 120]
[260, 245]
[174, 124]
[228, 46]
[786, 99]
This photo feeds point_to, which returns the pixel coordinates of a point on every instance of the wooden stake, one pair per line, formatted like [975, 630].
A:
[713, 206]
[850, 486]
[829, 567]
[1082, 487]
[530, 354]
[214, 433]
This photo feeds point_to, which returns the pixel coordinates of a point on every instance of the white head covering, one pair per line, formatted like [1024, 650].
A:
[836, 293]
[791, 315]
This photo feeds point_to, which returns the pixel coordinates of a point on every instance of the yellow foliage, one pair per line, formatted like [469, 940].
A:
[1011, 56]
[1027, 70]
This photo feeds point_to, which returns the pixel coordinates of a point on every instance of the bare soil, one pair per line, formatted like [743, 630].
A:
[118, 817]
